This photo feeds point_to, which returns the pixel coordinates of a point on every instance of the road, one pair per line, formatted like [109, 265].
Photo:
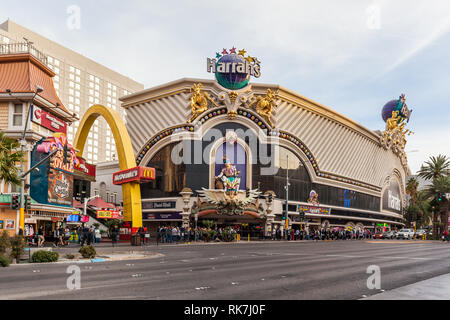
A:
[250, 271]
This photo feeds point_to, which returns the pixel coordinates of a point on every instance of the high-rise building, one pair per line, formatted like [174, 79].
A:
[80, 83]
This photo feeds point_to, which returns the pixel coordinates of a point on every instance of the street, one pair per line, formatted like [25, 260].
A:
[258, 270]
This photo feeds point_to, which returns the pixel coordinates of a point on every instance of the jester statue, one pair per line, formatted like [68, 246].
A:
[228, 179]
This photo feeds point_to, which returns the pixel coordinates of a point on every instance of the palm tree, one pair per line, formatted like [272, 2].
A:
[411, 189]
[9, 158]
[440, 185]
[437, 167]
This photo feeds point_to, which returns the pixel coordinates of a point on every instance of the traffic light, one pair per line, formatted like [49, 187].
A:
[67, 157]
[270, 197]
[247, 193]
[440, 198]
[27, 202]
[15, 202]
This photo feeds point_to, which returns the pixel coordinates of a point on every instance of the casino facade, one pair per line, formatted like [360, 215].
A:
[340, 174]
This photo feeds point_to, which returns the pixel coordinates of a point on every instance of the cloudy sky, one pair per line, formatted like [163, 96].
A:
[352, 55]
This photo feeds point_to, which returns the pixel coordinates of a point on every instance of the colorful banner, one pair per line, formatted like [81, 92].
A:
[138, 174]
[313, 210]
[48, 121]
[105, 214]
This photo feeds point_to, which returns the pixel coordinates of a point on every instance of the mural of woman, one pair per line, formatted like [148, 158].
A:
[229, 176]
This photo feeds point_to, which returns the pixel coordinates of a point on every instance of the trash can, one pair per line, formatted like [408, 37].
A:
[136, 240]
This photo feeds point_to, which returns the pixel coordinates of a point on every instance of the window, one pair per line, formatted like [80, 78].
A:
[18, 115]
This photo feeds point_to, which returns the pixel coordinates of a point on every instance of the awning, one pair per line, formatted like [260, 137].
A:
[98, 203]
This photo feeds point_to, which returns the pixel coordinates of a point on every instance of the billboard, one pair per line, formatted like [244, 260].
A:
[60, 188]
[391, 198]
[48, 120]
[107, 214]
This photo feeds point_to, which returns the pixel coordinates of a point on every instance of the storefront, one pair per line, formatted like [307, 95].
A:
[250, 140]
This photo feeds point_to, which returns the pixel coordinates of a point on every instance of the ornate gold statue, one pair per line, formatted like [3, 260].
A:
[199, 101]
[265, 106]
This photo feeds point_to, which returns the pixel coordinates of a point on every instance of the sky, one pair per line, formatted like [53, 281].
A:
[352, 55]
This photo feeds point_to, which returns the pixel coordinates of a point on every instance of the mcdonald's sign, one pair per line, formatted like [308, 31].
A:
[138, 174]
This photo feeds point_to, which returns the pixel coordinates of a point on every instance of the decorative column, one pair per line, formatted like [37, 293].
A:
[186, 193]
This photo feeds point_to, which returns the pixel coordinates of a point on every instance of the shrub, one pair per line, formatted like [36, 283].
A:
[70, 256]
[17, 247]
[4, 242]
[88, 252]
[4, 262]
[44, 256]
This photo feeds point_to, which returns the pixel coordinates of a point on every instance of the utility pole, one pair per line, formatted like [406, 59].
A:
[287, 197]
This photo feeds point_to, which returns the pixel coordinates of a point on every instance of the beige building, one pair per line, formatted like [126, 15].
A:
[80, 83]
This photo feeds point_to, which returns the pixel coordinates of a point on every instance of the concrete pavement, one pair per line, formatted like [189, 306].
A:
[247, 271]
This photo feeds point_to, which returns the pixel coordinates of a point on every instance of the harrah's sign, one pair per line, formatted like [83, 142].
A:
[48, 121]
[138, 174]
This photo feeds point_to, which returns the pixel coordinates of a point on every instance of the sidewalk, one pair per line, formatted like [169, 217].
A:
[437, 288]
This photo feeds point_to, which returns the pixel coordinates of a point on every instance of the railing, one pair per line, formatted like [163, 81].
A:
[14, 48]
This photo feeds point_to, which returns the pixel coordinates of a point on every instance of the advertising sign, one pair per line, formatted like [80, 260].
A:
[106, 214]
[2, 224]
[313, 210]
[234, 68]
[60, 188]
[10, 224]
[138, 174]
[391, 198]
[85, 167]
[159, 205]
[48, 121]
[73, 218]
[161, 216]
[58, 162]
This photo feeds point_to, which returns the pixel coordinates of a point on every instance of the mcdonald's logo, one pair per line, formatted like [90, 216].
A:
[138, 174]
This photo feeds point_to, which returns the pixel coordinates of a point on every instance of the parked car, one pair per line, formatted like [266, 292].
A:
[405, 234]
[378, 235]
[389, 235]
[420, 233]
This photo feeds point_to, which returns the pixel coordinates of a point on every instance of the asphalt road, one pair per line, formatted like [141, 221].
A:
[259, 270]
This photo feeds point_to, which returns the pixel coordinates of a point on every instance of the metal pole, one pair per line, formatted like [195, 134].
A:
[23, 143]
[287, 198]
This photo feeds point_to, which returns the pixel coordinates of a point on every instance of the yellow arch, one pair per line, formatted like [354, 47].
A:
[131, 191]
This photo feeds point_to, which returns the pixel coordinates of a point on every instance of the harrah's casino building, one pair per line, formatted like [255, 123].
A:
[185, 128]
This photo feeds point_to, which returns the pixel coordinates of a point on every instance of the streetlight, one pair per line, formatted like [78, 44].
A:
[23, 143]
[287, 197]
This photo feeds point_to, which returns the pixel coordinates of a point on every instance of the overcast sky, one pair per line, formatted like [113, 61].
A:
[353, 56]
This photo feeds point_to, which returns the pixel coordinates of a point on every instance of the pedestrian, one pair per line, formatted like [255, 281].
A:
[98, 235]
[445, 236]
[41, 238]
[56, 237]
[141, 233]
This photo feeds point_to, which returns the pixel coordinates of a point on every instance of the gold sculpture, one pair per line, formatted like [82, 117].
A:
[395, 134]
[199, 101]
[265, 106]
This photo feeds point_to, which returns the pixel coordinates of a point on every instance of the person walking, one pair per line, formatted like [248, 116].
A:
[41, 238]
[56, 237]
[98, 235]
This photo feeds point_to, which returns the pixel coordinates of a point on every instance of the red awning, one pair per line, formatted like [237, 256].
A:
[100, 204]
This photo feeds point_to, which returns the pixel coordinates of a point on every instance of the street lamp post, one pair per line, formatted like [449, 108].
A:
[23, 143]
[287, 198]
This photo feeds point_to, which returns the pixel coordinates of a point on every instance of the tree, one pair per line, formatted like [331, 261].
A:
[9, 157]
[434, 168]
[437, 169]
[440, 186]
[412, 187]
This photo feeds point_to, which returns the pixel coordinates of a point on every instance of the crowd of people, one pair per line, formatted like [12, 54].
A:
[174, 234]
[322, 234]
